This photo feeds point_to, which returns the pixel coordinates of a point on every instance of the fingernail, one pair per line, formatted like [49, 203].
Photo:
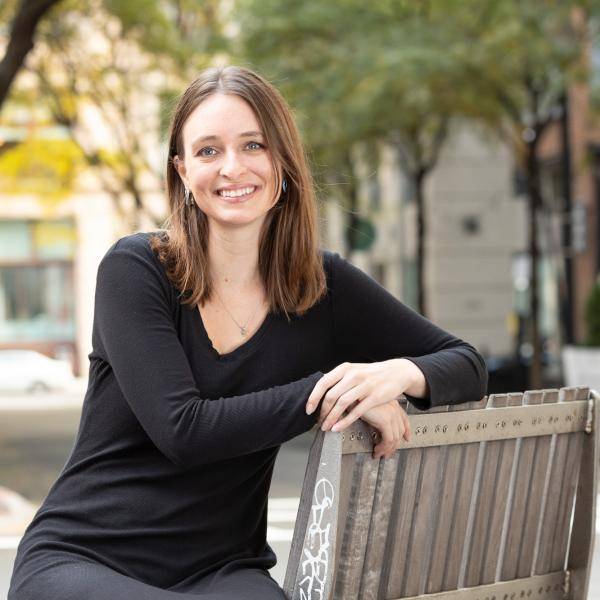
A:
[335, 427]
[309, 410]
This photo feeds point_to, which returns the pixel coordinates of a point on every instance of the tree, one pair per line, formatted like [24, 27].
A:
[21, 38]
[356, 72]
[123, 62]
[526, 61]
[406, 72]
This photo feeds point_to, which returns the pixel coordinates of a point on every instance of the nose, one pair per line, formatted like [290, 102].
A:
[232, 167]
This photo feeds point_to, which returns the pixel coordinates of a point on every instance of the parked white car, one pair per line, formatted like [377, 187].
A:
[30, 371]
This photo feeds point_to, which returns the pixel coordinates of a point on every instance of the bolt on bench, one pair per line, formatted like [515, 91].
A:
[490, 500]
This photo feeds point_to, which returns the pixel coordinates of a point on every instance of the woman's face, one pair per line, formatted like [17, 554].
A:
[225, 156]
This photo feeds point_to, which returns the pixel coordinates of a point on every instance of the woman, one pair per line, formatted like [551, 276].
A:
[215, 341]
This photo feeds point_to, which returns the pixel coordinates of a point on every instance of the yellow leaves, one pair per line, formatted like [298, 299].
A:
[45, 166]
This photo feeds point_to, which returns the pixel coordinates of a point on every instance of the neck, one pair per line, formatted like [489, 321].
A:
[233, 257]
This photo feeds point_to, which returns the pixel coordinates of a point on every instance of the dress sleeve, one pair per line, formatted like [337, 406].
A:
[371, 324]
[135, 326]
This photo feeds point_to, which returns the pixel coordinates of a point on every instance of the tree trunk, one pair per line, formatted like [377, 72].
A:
[534, 205]
[352, 197]
[422, 295]
[21, 40]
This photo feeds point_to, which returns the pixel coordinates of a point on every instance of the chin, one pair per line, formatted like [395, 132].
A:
[238, 221]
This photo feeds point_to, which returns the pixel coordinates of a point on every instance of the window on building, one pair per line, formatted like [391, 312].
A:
[36, 281]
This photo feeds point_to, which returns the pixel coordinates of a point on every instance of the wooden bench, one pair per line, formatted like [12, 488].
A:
[491, 500]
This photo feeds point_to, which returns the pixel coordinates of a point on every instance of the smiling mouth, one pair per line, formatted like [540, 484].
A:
[241, 193]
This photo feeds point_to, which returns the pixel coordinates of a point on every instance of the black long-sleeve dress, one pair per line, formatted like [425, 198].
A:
[166, 487]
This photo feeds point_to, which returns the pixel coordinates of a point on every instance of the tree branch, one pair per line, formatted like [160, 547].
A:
[21, 42]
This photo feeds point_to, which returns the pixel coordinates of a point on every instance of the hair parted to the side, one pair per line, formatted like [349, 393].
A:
[289, 259]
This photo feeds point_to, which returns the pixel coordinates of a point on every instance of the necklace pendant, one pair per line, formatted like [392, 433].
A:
[243, 330]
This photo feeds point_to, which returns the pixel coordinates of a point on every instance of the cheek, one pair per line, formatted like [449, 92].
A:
[202, 178]
[262, 165]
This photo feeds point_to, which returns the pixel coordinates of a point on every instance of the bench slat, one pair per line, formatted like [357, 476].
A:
[558, 452]
[424, 519]
[524, 455]
[314, 545]
[460, 507]
[581, 546]
[535, 499]
[487, 525]
[561, 536]
[451, 461]
[356, 520]
[378, 531]
[405, 497]
[301, 524]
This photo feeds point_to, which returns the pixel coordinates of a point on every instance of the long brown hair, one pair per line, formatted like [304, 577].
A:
[290, 263]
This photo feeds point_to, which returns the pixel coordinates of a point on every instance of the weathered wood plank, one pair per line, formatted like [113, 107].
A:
[581, 546]
[508, 471]
[378, 532]
[313, 575]
[304, 509]
[567, 496]
[358, 518]
[555, 476]
[405, 495]
[460, 507]
[534, 508]
[451, 462]
[487, 526]
[346, 479]
[525, 454]
[425, 519]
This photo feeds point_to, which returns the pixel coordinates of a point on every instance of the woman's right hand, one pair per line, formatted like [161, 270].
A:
[392, 422]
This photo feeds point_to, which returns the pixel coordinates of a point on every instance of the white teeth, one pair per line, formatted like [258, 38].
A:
[236, 193]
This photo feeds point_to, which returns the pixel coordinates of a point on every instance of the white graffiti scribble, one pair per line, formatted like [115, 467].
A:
[316, 565]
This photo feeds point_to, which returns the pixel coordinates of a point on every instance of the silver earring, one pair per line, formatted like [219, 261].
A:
[187, 198]
[284, 185]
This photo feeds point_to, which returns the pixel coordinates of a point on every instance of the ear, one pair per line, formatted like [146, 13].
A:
[180, 166]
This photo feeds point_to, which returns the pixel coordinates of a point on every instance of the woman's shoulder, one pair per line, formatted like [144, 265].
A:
[334, 262]
[344, 276]
[329, 258]
[134, 256]
[138, 243]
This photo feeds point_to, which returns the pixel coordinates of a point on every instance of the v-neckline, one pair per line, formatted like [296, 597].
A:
[240, 350]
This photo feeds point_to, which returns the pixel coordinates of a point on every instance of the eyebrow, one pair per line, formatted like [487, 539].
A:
[206, 138]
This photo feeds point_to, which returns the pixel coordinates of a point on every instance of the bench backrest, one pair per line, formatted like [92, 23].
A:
[490, 500]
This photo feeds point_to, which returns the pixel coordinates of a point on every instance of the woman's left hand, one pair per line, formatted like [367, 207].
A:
[366, 384]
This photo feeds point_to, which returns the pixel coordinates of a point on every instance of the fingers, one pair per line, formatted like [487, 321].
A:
[407, 429]
[392, 433]
[352, 402]
[323, 385]
[387, 444]
[355, 411]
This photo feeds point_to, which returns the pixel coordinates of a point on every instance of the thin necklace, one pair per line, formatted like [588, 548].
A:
[243, 328]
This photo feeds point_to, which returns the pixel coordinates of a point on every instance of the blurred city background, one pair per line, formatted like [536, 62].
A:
[455, 146]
